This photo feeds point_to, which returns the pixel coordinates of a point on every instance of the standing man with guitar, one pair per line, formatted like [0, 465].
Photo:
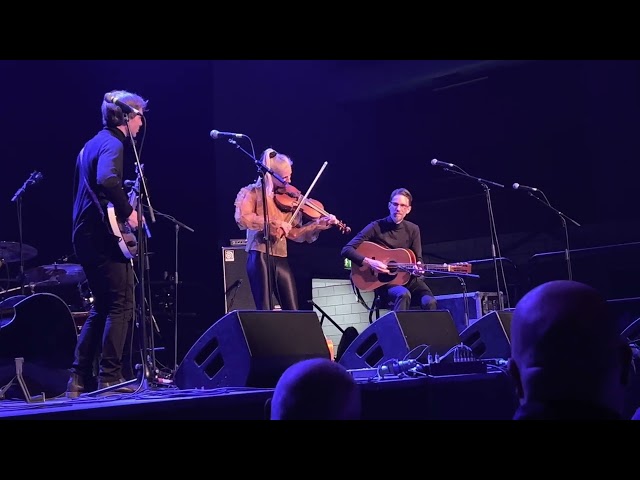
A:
[395, 233]
[98, 189]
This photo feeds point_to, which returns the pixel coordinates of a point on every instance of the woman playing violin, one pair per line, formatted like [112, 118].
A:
[249, 217]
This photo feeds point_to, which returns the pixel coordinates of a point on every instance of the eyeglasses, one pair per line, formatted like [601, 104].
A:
[399, 205]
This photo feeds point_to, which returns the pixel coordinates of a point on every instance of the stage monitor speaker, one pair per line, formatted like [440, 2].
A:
[396, 334]
[490, 336]
[251, 348]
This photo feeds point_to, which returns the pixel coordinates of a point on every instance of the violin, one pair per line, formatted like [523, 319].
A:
[288, 199]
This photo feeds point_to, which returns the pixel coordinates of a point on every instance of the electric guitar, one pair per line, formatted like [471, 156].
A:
[401, 263]
[125, 235]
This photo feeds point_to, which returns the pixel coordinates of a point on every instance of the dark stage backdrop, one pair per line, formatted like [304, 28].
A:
[567, 127]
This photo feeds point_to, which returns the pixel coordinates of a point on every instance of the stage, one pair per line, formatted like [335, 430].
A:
[486, 396]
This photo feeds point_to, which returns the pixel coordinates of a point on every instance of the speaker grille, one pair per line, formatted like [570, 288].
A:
[490, 336]
[237, 290]
[436, 329]
[252, 348]
[395, 335]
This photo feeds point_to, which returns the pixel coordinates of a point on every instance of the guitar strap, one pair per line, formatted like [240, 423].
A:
[90, 190]
[360, 299]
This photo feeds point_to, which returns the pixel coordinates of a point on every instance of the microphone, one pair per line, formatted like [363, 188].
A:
[517, 186]
[396, 367]
[438, 163]
[215, 134]
[233, 286]
[35, 178]
[110, 98]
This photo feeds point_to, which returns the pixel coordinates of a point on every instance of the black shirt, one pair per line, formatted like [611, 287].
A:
[99, 180]
[387, 233]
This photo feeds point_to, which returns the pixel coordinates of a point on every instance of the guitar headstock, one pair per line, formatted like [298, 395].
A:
[460, 267]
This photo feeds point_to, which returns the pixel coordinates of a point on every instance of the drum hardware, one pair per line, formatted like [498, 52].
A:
[64, 273]
[32, 286]
[10, 252]
[79, 319]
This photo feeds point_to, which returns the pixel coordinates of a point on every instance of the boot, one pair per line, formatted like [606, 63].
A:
[75, 386]
[124, 389]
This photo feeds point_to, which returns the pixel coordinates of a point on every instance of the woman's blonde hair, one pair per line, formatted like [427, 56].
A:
[269, 159]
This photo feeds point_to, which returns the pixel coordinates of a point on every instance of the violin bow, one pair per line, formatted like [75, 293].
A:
[304, 198]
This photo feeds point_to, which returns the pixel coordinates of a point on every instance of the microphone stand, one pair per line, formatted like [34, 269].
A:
[233, 289]
[149, 364]
[563, 218]
[178, 224]
[263, 170]
[463, 284]
[149, 367]
[34, 178]
[495, 244]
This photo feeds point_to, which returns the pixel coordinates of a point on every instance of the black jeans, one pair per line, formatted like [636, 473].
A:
[282, 281]
[105, 330]
[402, 297]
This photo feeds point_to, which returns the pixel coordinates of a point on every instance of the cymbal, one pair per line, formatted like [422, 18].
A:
[10, 252]
[64, 273]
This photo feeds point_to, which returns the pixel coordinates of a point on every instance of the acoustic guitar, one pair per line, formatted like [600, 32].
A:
[401, 263]
[38, 328]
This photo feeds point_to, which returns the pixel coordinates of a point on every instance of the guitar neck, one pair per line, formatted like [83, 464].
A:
[424, 265]
[441, 267]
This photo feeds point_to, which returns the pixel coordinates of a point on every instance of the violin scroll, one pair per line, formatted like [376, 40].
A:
[344, 228]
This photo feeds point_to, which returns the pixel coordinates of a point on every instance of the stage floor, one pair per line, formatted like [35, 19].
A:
[454, 397]
[153, 403]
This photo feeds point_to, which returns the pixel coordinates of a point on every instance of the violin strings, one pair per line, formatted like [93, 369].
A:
[318, 209]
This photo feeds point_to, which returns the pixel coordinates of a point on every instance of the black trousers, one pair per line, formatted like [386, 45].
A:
[402, 297]
[282, 281]
[105, 331]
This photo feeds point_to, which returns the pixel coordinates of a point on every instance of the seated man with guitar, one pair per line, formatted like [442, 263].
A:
[387, 253]
[98, 190]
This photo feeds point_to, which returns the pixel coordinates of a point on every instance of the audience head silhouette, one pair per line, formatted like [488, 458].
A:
[567, 356]
[316, 389]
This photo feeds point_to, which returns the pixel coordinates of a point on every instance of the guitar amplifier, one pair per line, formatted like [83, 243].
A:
[478, 303]
[237, 291]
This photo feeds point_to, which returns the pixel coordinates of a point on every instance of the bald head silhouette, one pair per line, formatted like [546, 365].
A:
[565, 347]
[316, 389]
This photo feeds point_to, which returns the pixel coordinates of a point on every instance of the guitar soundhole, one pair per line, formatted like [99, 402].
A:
[387, 277]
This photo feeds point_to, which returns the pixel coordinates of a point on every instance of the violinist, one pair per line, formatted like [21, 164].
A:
[249, 216]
